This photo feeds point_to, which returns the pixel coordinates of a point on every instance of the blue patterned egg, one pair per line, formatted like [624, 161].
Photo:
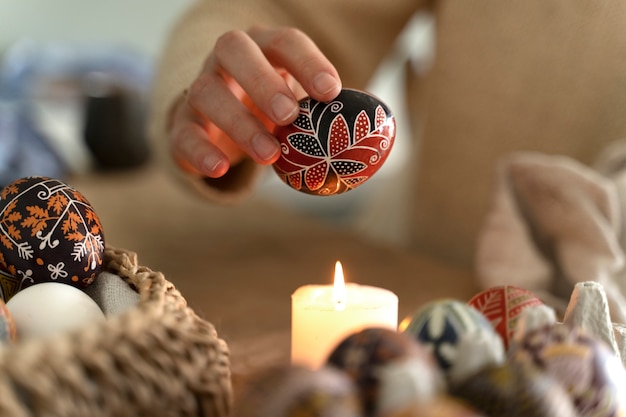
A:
[591, 373]
[440, 324]
[390, 370]
[49, 232]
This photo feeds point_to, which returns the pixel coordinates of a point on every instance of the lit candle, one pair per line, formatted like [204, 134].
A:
[323, 315]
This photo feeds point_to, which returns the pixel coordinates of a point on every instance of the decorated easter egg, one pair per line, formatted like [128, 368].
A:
[390, 370]
[503, 306]
[512, 390]
[49, 232]
[591, 373]
[441, 324]
[8, 285]
[7, 325]
[49, 308]
[336, 146]
[294, 391]
[439, 406]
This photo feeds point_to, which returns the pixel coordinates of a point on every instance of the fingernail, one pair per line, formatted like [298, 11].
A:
[212, 163]
[264, 146]
[324, 83]
[283, 107]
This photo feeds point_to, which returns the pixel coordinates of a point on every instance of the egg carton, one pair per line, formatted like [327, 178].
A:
[153, 357]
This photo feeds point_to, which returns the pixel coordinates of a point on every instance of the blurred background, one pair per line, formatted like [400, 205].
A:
[74, 81]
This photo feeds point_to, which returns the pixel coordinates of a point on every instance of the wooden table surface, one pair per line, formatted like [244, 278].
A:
[238, 265]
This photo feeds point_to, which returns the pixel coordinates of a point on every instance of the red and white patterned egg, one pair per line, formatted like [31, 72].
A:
[49, 232]
[503, 306]
[336, 146]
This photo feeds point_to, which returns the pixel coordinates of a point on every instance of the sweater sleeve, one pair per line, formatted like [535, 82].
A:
[354, 35]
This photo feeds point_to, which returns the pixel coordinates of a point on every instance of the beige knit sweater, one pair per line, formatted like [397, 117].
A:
[540, 75]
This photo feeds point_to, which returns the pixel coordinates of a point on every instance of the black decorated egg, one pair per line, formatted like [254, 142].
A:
[49, 232]
[336, 146]
[591, 373]
[441, 324]
[389, 369]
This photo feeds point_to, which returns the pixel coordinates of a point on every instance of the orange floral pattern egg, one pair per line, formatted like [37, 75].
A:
[334, 147]
[503, 306]
[49, 232]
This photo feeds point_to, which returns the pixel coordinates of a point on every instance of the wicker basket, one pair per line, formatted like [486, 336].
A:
[157, 359]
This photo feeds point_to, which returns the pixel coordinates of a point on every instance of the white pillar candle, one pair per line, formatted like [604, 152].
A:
[323, 315]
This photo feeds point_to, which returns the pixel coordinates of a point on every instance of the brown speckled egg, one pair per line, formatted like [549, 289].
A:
[503, 306]
[294, 391]
[390, 369]
[49, 232]
[591, 373]
[511, 390]
[334, 147]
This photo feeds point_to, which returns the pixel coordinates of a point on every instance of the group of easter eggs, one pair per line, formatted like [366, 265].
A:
[500, 354]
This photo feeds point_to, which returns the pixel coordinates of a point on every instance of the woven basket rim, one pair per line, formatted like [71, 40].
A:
[158, 358]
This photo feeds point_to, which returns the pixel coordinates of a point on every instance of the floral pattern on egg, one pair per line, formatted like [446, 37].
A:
[49, 232]
[334, 147]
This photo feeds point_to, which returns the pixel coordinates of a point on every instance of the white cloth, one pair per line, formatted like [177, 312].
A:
[554, 222]
[112, 294]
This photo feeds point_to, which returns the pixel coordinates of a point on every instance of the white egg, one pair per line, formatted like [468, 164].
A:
[50, 308]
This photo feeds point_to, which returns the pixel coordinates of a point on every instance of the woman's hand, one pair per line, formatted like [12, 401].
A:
[250, 82]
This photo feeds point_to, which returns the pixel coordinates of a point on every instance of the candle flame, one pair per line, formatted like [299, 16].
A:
[339, 288]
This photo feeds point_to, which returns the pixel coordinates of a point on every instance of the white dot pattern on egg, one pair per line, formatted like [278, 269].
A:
[335, 146]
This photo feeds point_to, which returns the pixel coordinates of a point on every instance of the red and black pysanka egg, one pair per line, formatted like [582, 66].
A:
[336, 146]
[49, 232]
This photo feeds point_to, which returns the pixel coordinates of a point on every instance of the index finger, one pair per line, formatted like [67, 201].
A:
[292, 49]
